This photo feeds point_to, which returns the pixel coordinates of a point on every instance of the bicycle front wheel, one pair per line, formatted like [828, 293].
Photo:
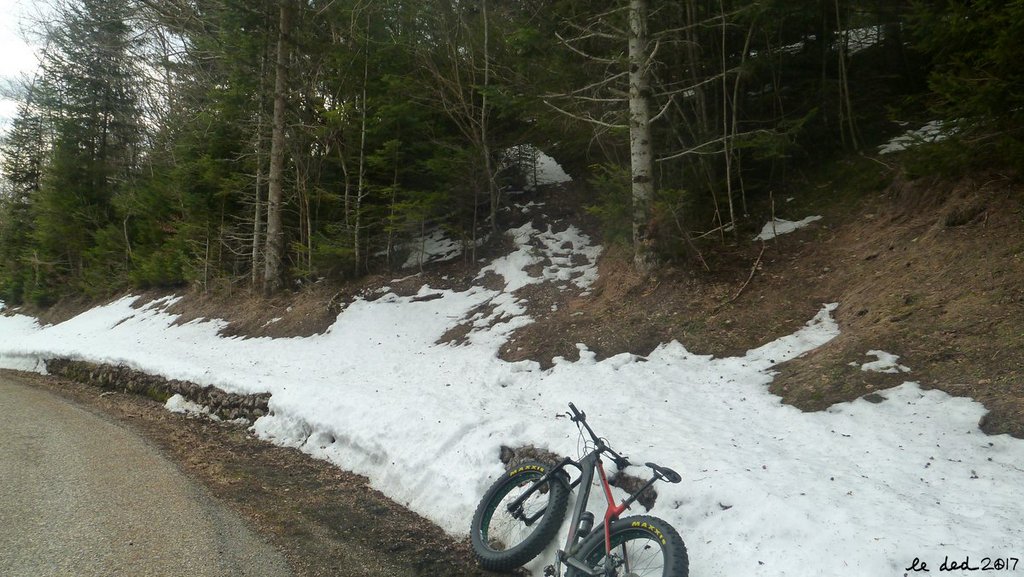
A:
[504, 539]
[641, 547]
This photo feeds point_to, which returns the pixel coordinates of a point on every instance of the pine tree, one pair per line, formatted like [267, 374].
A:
[88, 95]
[23, 152]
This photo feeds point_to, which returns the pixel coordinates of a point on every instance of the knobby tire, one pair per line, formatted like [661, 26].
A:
[502, 542]
[642, 546]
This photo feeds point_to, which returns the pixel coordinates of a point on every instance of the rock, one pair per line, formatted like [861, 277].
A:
[229, 405]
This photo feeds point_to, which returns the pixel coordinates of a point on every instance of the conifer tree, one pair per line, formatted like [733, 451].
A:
[85, 111]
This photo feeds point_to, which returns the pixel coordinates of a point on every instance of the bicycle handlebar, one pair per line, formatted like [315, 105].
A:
[576, 414]
[580, 417]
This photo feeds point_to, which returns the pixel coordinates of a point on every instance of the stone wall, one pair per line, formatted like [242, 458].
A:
[120, 378]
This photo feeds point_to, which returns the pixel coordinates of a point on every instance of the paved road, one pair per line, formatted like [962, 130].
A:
[83, 497]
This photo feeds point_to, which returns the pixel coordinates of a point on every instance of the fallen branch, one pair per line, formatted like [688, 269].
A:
[753, 270]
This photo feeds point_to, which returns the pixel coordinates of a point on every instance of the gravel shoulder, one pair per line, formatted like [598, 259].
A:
[323, 520]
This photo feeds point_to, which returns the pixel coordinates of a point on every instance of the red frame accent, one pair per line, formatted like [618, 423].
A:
[613, 510]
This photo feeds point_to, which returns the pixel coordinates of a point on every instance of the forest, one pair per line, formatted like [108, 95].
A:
[267, 144]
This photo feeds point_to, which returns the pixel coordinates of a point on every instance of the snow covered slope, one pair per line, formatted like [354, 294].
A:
[859, 490]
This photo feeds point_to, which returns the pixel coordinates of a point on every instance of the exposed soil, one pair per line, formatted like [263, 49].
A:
[327, 522]
[930, 271]
[933, 272]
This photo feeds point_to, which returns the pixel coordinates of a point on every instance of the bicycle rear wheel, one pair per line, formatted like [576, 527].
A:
[503, 540]
[641, 547]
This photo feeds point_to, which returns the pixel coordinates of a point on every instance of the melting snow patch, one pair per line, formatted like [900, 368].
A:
[179, 404]
[565, 256]
[524, 208]
[433, 247]
[886, 363]
[779, 226]
[934, 131]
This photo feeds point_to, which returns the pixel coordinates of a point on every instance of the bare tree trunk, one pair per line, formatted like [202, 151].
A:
[732, 128]
[485, 147]
[846, 120]
[702, 115]
[361, 177]
[726, 134]
[272, 273]
[394, 201]
[257, 225]
[305, 213]
[640, 145]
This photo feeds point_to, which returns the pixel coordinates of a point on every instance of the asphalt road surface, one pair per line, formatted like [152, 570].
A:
[83, 497]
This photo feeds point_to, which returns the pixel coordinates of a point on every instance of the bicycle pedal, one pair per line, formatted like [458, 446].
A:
[549, 571]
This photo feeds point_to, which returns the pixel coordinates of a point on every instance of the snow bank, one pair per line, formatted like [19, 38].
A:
[859, 490]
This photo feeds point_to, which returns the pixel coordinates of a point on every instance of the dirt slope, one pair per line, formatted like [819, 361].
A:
[931, 271]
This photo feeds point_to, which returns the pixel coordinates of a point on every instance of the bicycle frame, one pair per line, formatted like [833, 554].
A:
[587, 466]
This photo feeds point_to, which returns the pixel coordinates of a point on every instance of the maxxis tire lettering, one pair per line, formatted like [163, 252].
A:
[524, 468]
[591, 550]
[650, 528]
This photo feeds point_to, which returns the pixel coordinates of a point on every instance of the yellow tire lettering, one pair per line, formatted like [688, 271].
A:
[654, 530]
[524, 468]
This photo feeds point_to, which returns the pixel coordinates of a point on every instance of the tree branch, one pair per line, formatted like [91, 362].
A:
[586, 118]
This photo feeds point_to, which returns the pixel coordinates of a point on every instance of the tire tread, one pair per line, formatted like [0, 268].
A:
[506, 561]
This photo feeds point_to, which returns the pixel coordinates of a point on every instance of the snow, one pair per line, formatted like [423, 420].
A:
[861, 489]
[885, 363]
[780, 226]
[934, 131]
[529, 206]
[29, 363]
[554, 251]
[860, 39]
[539, 168]
[856, 40]
[435, 246]
[179, 404]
